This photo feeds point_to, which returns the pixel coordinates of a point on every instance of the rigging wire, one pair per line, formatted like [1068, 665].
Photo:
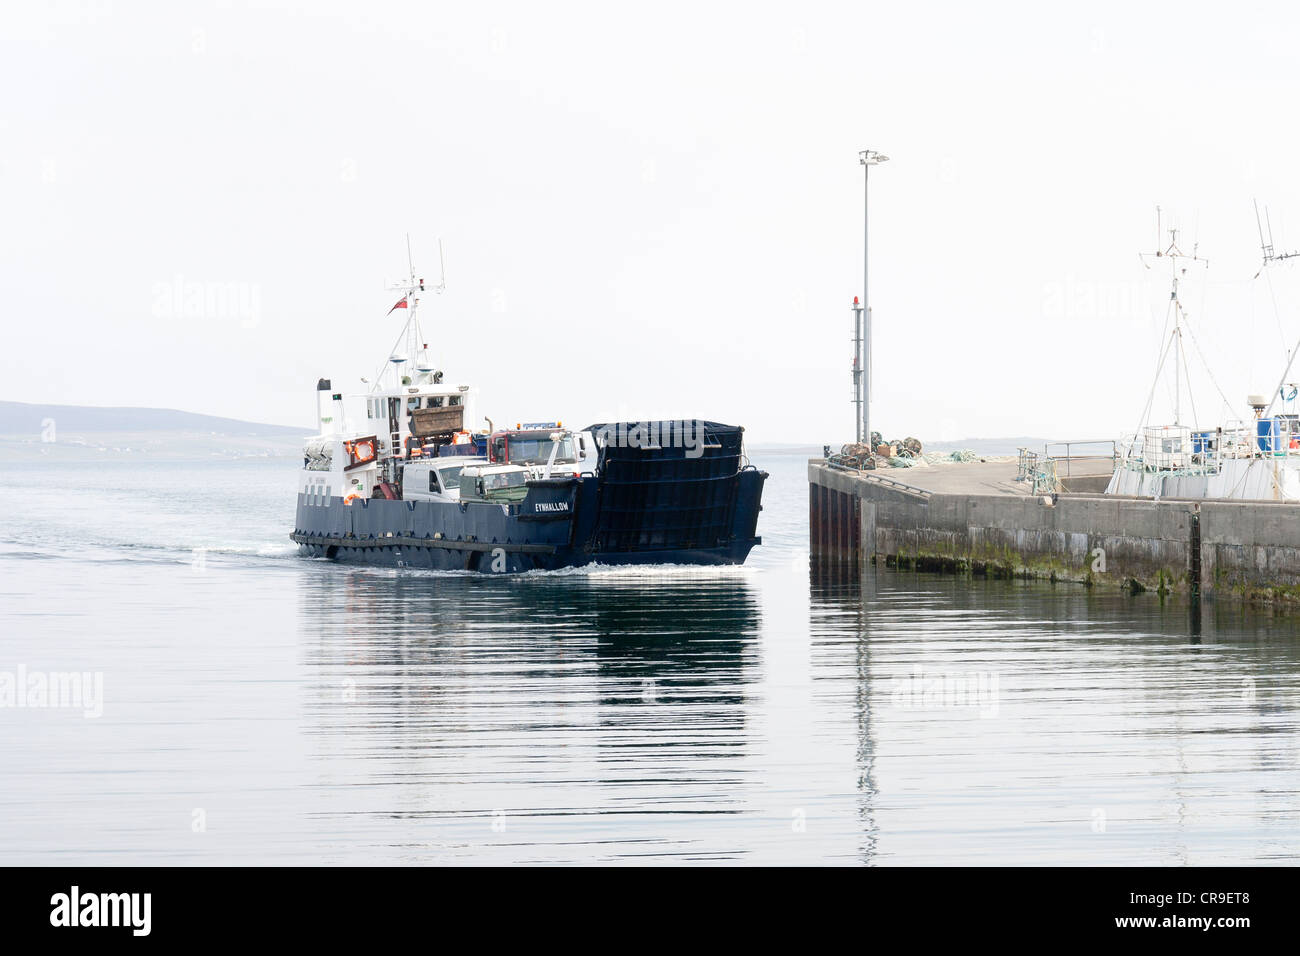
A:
[1190, 396]
[1196, 345]
[1277, 314]
[1146, 411]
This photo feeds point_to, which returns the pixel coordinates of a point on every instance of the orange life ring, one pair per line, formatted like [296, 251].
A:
[363, 451]
[349, 499]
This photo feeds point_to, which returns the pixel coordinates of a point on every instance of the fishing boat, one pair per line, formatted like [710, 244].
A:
[1253, 457]
[403, 474]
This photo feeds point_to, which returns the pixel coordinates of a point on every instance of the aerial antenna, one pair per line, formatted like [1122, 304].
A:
[1266, 241]
[1178, 262]
[1171, 251]
[412, 288]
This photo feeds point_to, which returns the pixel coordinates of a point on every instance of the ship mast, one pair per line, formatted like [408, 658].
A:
[411, 339]
[1178, 261]
[1270, 255]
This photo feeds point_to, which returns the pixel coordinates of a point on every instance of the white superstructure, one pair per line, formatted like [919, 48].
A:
[400, 420]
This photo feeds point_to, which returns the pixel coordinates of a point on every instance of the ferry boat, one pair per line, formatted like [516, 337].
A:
[1256, 457]
[402, 475]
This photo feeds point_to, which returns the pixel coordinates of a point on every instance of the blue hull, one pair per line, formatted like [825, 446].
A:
[644, 506]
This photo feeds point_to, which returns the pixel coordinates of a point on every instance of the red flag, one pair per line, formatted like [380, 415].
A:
[401, 304]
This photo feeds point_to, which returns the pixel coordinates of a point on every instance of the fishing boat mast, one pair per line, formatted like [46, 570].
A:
[1271, 255]
[1178, 265]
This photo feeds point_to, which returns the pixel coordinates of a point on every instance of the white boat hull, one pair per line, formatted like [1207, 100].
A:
[1247, 479]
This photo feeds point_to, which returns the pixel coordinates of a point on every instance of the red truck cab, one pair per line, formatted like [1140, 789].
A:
[533, 444]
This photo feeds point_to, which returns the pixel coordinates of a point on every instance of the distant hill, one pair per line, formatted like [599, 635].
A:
[21, 418]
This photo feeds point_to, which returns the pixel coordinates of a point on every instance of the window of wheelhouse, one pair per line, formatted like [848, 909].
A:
[499, 448]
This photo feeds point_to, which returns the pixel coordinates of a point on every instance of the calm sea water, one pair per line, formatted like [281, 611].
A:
[262, 708]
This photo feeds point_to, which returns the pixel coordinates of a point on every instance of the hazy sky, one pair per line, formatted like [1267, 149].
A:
[647, 211]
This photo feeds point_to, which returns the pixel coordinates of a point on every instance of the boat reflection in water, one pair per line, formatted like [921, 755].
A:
[470, 713]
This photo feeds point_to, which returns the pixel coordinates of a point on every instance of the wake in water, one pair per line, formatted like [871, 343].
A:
[630, 573]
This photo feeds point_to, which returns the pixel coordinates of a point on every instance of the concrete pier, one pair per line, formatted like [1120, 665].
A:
[975, 518]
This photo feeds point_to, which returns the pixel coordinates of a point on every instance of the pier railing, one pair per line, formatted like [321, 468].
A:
[1089, 456]
[1026, 463]
[899, 486]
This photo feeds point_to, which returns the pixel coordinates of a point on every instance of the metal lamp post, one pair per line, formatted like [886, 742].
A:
[868, 158]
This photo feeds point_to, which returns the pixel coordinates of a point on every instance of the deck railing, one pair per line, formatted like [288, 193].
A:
[1203, 451]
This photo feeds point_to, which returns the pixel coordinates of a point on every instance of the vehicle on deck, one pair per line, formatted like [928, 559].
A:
[400, 475]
